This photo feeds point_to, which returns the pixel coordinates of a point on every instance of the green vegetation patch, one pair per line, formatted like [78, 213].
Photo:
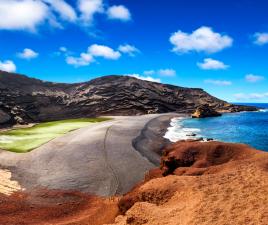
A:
[26, 139]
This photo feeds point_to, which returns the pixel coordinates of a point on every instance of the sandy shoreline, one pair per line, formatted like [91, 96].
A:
[99, 159]
[151, 140]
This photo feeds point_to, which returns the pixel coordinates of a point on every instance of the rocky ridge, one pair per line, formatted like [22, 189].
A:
[26, 100]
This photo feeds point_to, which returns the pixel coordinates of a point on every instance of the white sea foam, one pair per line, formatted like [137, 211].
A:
[177, 132]
[263, 110]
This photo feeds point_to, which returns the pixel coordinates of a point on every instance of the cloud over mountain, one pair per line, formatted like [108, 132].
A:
[253, 78]
[95, 51]
[212, 64]
[128, 49]
[104, 51]
[243, 96]
[147, 78]
[218, 82]
[8, 66]
[27, 54]
[204, 39]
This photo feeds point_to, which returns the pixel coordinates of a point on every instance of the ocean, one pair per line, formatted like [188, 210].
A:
[245, 127]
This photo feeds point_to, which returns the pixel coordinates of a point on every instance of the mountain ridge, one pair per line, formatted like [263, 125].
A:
[26, 100]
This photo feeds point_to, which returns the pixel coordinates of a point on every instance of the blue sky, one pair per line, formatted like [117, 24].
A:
[220, 46]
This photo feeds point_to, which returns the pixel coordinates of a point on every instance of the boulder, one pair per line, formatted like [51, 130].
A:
[210, 139]
[19, 120]
[205, 111]
[191, 135]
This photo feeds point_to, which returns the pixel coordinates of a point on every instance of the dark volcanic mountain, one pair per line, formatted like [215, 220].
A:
[24, 99]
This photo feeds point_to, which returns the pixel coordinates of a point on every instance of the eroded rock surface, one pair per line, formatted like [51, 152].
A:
[204, 111]
[24, 99]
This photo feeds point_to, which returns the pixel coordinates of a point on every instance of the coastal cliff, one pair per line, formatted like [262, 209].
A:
[27, 100]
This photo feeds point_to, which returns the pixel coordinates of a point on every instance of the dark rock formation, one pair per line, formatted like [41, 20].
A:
[4, 117]
[204, 111]
[25, 99]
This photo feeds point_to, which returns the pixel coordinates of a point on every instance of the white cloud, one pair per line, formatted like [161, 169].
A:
[7, 66]
[253, 78]
[28, 15]
[261, 38]
[128, 49]
[218, 82]
[243, 96]
[147, 78]
[63, 49]
[167, 72]
[204, 39]
[161, 72]
[240, 96]
[85, 59]
[65, 10]
[28, 54]
[93, 51]
[149, 72]
[103, 51]
[22, 14]
[118, 12]
[212, 64]
[88, 9]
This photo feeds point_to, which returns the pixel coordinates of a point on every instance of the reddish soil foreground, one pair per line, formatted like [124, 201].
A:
[205, 183]
[56, 207]
[197, 184]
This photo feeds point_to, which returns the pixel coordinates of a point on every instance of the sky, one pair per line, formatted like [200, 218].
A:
[220, 46]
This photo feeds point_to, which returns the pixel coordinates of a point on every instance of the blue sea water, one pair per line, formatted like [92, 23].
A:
[246, 127]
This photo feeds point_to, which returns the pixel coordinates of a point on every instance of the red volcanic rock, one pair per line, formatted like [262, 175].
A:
[183, 156]
[191, 158]
[56, 207]
[201, 183]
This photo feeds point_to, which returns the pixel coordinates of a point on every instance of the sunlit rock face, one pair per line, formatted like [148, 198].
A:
[25, 99]
[205, 111]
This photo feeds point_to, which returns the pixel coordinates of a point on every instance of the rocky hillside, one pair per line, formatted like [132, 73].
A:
[24, 100]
